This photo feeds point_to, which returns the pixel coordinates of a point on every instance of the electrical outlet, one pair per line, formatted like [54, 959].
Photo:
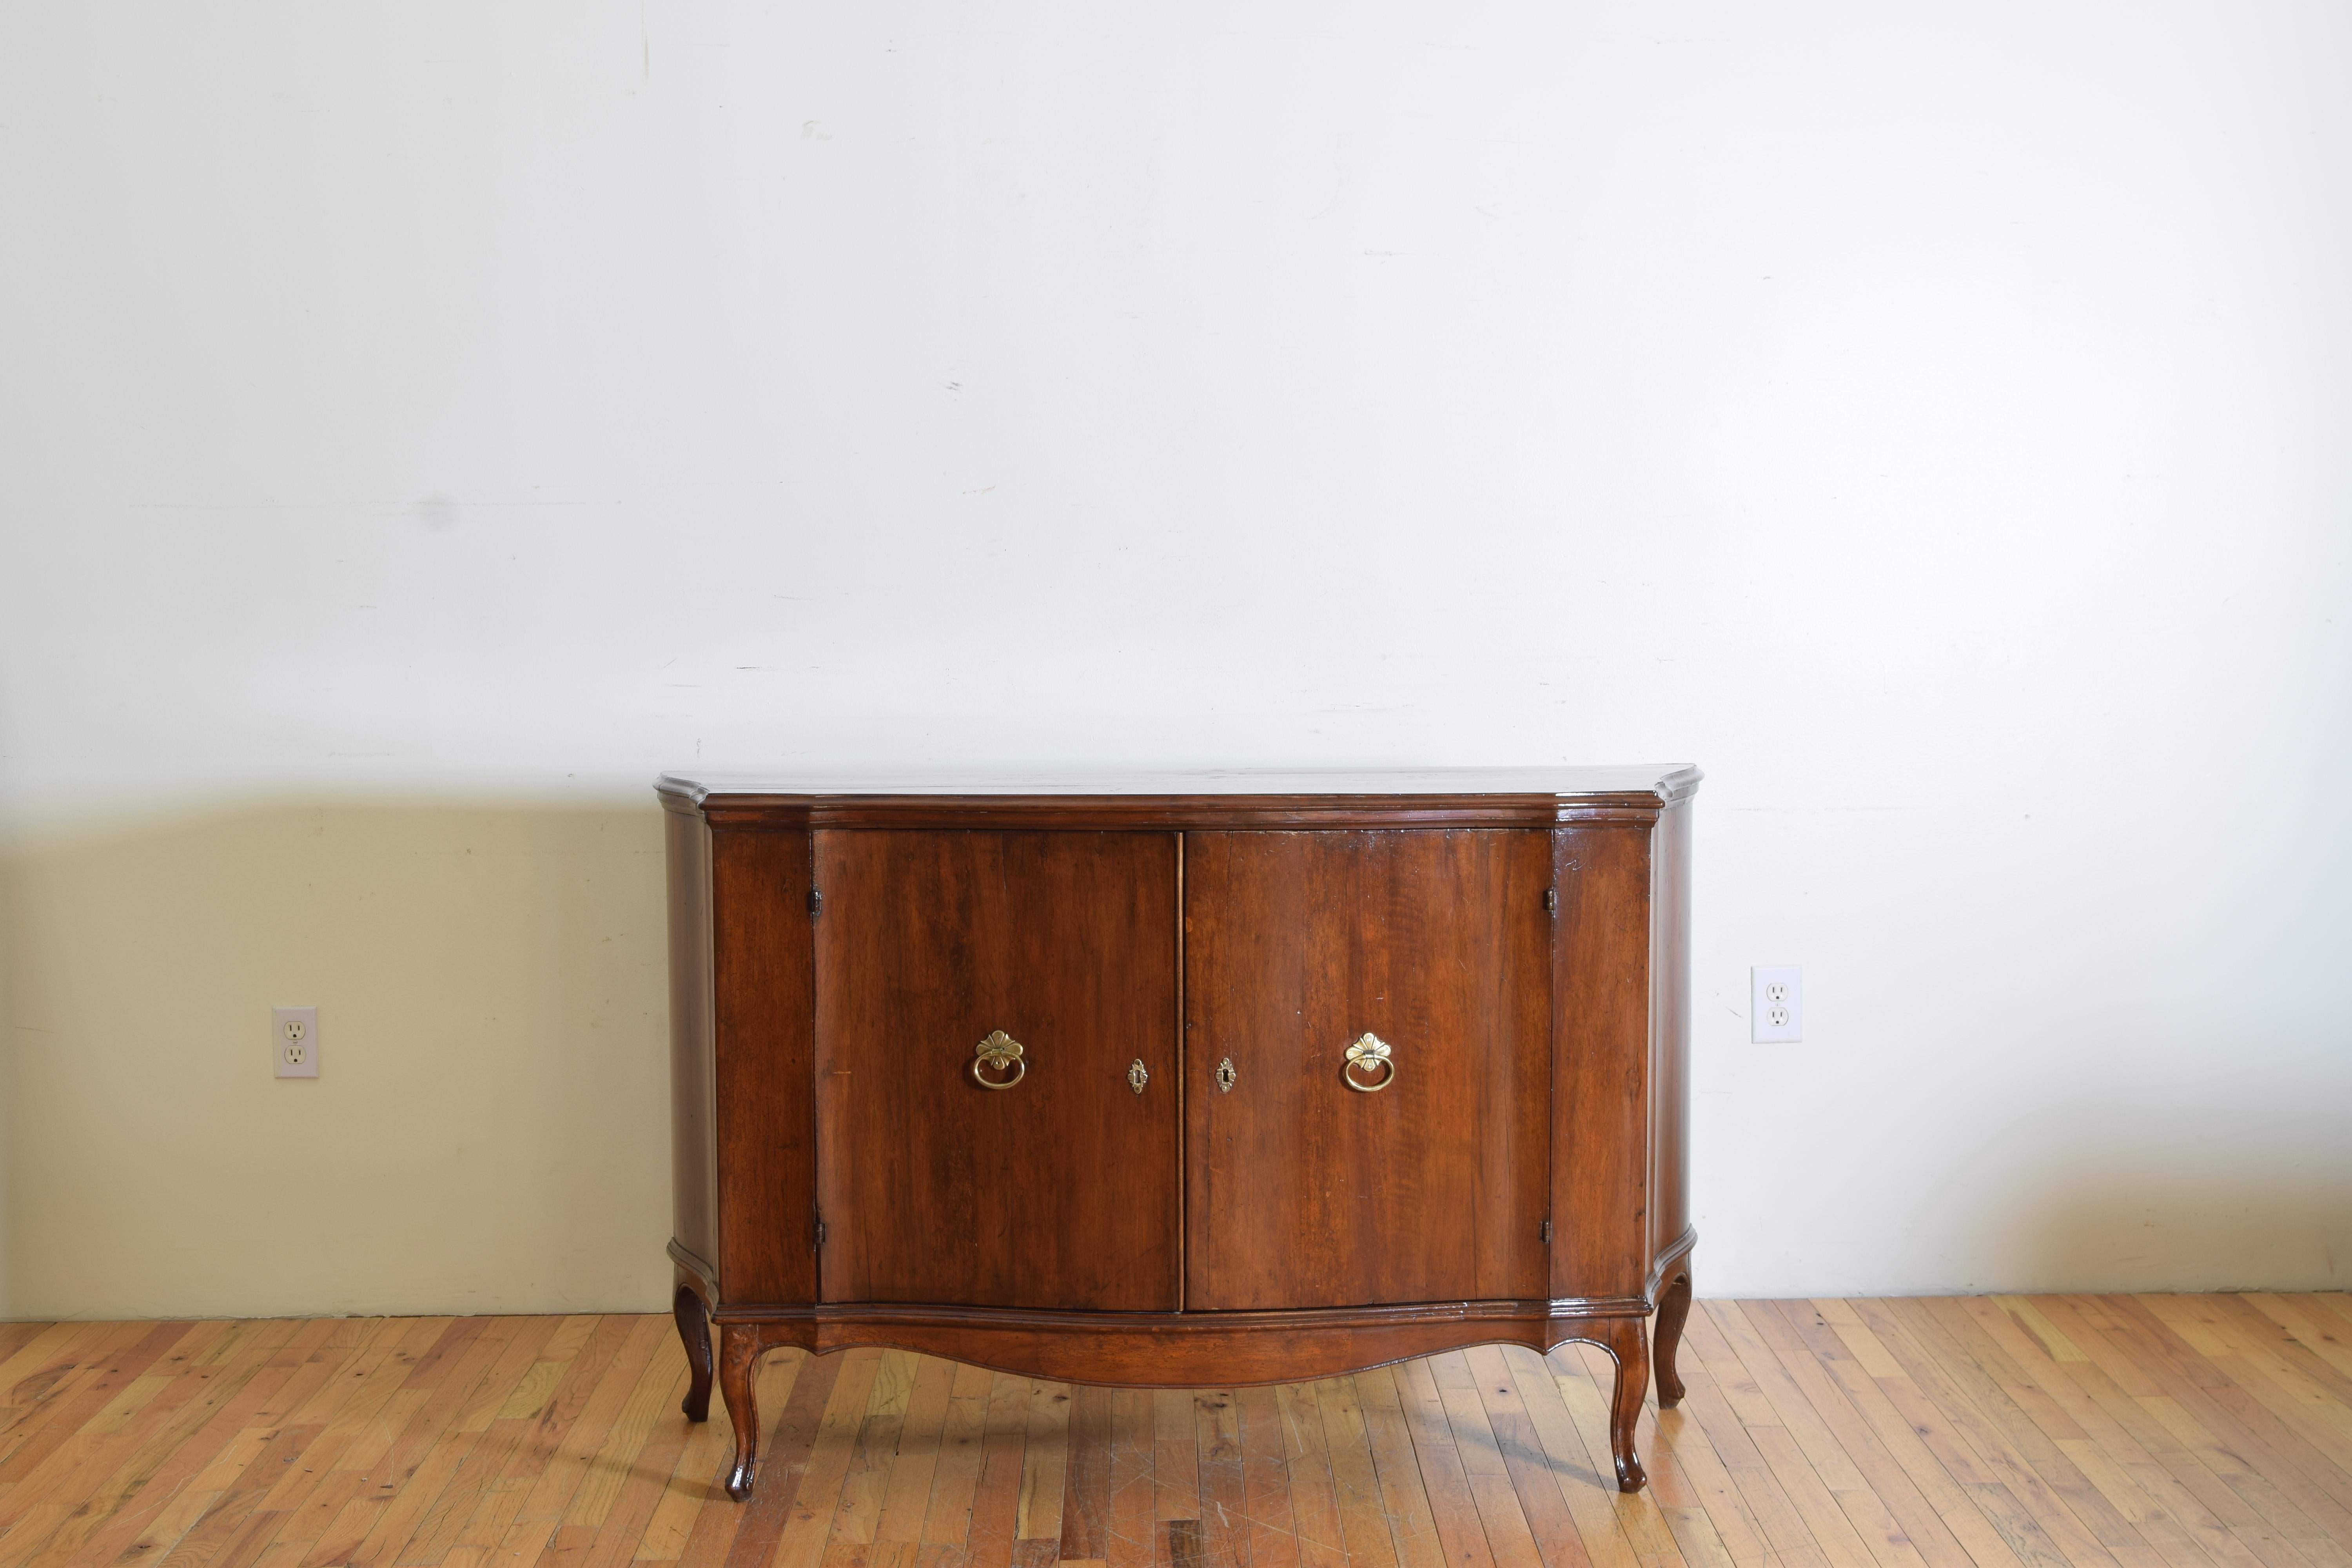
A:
[1775, 1004]
[294, 1041]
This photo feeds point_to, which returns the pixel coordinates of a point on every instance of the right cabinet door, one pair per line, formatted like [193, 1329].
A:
[1421, 1175]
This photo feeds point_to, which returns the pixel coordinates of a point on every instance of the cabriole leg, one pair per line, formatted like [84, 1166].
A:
[1673, 1310]
[739, 1365]
[1628, 1341]
[694, 1330]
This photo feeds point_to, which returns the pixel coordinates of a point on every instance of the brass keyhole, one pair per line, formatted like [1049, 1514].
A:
[1226, 1076]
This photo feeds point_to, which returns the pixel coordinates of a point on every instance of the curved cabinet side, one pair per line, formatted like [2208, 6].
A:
[764, 1012]
[1671, 1237]
[1601, 1041]
[1670, 1021]
[693, 1078]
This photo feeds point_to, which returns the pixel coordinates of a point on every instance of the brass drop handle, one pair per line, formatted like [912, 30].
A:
[998, 1053]
[1369, 1051]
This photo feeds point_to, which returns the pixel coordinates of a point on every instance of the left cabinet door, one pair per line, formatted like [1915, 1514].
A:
[1062, 1190]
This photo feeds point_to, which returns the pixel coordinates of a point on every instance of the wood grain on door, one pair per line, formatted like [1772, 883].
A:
[1304, 1191]
[1058, 1191]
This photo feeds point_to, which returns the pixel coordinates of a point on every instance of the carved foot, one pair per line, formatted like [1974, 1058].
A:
[739, 1367]
[1627, 1342]
[1673, 1310]
[694, 1330]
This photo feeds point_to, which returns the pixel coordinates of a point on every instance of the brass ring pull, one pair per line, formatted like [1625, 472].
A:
[997, 1053]
[1369, 1051]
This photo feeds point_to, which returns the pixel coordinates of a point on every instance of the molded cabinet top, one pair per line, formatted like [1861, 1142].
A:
[1663, 781]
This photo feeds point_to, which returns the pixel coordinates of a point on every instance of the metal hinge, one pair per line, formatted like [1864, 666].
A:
[816, 904]
[1551, 897]
[1545, 1231]
[820, 1230]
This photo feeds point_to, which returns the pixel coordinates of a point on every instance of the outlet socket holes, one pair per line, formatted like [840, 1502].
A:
[294, 1041]
[1776, 1012]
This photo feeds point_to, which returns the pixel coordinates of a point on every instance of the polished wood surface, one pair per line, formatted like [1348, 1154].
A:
[1168, 813]
[1669, 1033]
[693, 1056]
[2043, 1432]
[1601, 1068]
[1155, 1350]
[1303, 1192]
[1060, 1191]
[766, 1051]
[1649, 781]
[1518, 937]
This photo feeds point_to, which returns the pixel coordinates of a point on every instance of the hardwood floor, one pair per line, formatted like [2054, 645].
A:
[2004, 1432]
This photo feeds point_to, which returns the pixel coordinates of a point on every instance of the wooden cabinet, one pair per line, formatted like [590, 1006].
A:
[1181, 1080]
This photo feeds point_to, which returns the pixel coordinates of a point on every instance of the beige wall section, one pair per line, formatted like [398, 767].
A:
[489, 1129]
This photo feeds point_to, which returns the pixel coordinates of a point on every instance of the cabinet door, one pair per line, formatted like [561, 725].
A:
[1305, 1191]
[1059, 1191]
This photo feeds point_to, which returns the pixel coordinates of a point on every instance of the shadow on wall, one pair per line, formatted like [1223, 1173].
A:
[489, 1129]
[2168, 1179]
[2197, 1226]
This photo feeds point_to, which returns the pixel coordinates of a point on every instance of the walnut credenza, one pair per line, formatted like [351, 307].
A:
[1185, 1081]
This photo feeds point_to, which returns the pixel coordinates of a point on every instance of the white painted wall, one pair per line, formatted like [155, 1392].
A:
[419, 424]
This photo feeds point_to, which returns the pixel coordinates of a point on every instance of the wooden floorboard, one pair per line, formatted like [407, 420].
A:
[1977, 1432]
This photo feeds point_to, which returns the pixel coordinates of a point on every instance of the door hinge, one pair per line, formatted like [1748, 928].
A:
[1551, 897]
[816, 904]
[1544, 1230]
[820, 1230]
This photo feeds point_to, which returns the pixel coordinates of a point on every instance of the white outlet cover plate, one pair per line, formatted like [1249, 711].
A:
[1775, 1004]
[294, 1057]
